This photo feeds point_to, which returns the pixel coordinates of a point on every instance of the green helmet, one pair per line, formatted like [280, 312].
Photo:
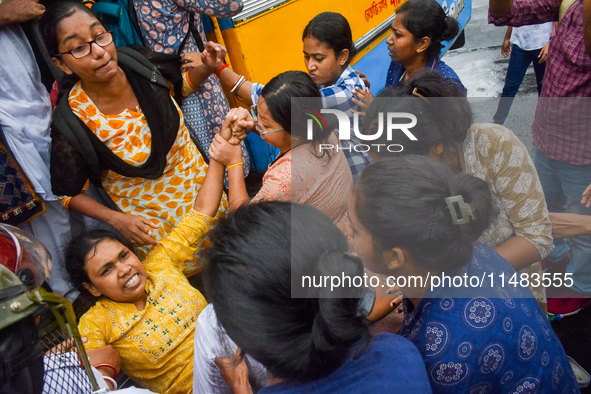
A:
[36, 326]
[25, 265]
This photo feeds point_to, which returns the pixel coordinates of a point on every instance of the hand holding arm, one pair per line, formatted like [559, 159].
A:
[207, 63]
[235, 372]
[213, 55]
[363, 78]
[227, 154]
[191, 60]
[136, 229]
[364, 99]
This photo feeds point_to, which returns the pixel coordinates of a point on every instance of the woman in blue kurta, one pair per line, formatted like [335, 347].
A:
[415, 42]
[412, 217]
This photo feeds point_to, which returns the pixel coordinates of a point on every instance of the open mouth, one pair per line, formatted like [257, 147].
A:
[134, 280]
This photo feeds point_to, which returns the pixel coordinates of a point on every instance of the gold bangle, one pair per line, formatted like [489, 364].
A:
[234, 165]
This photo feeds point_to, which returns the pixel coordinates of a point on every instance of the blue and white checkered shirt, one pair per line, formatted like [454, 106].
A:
[338, 96]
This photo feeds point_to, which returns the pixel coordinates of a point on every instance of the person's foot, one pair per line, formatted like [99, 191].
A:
[582, 376]
[568, 302]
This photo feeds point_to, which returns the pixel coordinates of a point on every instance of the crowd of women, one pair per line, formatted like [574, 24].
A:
[461, 199]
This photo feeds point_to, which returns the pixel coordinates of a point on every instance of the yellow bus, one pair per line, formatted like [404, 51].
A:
[265, 39]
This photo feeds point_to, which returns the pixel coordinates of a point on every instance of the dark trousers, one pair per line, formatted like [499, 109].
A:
[518, 64]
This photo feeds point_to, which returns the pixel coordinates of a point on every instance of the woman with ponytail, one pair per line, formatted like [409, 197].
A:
[415, 42]
[522, 232]
[262, 276]
[416, 221]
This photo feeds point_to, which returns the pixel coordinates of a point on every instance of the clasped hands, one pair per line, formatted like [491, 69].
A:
[225, 147]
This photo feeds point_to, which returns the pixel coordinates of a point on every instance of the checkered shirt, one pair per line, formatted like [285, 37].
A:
[338, 96]
[561, 126]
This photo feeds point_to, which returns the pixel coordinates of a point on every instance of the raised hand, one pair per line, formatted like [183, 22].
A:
[191, 60]
[223, 152]
[238, 122]
[213, 55]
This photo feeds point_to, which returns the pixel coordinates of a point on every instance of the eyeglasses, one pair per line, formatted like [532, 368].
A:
[254, 112]
[102, 40]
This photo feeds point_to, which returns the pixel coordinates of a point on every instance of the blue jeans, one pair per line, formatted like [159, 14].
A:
[518, 64]
[563, 186]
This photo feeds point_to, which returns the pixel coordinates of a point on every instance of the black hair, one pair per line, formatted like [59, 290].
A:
[48, 26]
[426, 18]
[442, 111]
[257, 259]
[333, 31]
[77, 251]
[21, 358]
[401, 203]
[51, 18]
[282, 95]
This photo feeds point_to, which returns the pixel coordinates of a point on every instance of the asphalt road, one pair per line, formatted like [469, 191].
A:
[482, 68]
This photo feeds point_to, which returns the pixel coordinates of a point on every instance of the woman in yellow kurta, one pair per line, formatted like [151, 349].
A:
[148, 312]
[119, 128]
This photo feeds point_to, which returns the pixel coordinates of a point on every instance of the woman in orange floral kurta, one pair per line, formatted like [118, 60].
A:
[164, 200]
[132, 141]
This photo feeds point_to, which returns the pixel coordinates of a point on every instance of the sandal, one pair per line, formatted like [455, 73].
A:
[582, 376]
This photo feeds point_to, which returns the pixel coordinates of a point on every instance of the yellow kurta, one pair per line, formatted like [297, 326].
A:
[164, 200]
[156, 344]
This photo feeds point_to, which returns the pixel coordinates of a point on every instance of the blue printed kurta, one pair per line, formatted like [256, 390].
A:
[164, 25]
[495, 340]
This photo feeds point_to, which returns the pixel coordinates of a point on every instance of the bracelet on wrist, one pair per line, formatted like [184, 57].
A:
[237, 84]
[108, 366]
[113, 382]
[234, 165]
[218, 72]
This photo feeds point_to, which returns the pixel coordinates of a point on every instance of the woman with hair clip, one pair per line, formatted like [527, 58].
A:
[522, 232]
[305, 170]
[311, 339]
[328, 49]
[119, 128]
[412, 217]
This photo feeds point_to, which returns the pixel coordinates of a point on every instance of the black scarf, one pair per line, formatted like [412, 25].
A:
[77, 154]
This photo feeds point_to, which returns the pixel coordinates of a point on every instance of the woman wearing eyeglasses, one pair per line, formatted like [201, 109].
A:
[119, 128]
[328, 48]
[307, 171]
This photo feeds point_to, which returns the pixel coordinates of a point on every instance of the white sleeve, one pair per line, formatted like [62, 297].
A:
[211, 341]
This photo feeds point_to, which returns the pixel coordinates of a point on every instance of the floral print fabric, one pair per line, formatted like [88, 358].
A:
[164, 200]
[164, 24]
